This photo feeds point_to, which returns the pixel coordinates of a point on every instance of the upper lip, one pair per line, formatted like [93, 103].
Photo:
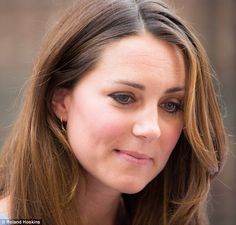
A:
[135, 154]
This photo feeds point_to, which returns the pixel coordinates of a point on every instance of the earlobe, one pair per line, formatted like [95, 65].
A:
[60, 103]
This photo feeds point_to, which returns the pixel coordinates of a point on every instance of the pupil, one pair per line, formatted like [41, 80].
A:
[170, 106]
[124, 98]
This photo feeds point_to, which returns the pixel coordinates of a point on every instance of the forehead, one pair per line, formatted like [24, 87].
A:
[141, 48]
[143, 59]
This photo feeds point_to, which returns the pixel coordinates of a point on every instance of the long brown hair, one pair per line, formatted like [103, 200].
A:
[38, 169]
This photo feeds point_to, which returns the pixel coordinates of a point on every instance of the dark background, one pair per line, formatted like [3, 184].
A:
[23, 24]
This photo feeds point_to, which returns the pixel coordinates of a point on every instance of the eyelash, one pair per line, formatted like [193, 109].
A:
[117, 97]
[129, 99]
[177, 107]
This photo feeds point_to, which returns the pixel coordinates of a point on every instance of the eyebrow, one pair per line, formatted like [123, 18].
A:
[174, 89]
[142, 87]
[131, 84]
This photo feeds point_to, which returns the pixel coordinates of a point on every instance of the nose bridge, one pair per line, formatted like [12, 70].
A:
[150, 116]
[147, 123]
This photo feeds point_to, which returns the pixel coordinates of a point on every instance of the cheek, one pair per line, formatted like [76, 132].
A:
[97, 122]
[111, 127]
[171, 135]
[174, 137]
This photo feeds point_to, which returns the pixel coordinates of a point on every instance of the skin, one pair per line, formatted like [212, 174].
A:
[124, 119]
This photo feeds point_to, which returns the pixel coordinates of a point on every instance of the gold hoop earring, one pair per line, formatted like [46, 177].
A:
[62, 125]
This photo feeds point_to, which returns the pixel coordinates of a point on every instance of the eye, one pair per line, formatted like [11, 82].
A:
[171, 107]
[123, 98]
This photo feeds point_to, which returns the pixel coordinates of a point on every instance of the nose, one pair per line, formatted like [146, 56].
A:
[147, 126]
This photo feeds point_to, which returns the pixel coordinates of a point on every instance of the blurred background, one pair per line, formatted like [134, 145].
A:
[23, 24]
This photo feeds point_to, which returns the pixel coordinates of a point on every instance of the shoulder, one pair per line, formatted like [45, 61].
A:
[4, 207]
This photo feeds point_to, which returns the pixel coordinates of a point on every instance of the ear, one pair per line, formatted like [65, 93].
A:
[61, 102]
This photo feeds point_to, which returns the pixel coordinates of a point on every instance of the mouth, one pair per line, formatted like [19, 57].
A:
[134, 157]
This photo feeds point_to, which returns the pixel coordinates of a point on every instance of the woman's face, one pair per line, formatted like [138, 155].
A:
[124, 118]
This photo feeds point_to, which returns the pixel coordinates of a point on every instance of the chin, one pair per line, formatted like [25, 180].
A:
[132, 188]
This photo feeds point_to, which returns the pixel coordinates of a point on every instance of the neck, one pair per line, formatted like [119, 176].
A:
[98, 204]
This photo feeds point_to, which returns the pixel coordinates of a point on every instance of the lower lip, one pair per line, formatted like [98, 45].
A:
[132, 159]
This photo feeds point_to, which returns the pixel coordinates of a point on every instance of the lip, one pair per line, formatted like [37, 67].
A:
[134, 157]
